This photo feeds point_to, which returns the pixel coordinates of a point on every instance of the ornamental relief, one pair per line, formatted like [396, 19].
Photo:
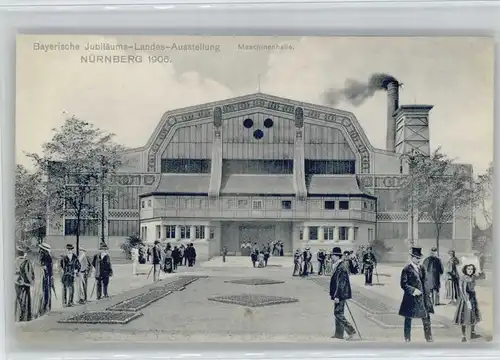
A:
[382, 181]
[275, 105]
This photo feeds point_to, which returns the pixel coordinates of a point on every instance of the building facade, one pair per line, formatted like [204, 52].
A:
[260, 168]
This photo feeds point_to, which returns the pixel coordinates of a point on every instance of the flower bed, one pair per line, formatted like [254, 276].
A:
[140, 301]
[255, 281]
[101, 317]
[253, 300]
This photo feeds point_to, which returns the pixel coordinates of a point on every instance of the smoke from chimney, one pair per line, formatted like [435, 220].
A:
[356, 92]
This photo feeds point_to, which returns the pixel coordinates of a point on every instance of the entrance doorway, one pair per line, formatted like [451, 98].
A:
[235, 234]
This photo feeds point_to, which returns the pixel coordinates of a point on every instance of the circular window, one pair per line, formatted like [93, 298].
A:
[268, 123]
[258, 134]
[248, 123]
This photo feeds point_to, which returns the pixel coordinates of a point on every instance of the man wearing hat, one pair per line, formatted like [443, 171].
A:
[297, 263]
[156, 253]
[45, 270]
[321, 256]
[434, 269]
[103, 271]
[340, 292]
[70, 266]
[307, 258]
[416, 303]
[369, 263]
[85, 270]
[24, 279]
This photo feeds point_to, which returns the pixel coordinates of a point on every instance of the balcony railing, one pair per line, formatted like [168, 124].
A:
[271, 214]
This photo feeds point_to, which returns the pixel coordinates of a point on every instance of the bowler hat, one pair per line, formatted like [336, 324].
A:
[83, 249]
[103, 247]
[69, 247]
[44, 246]
[416, 252]
[157, 242]
[337, 251]
[434, 249]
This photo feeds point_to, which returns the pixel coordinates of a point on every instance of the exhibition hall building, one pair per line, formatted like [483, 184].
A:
[260, 168]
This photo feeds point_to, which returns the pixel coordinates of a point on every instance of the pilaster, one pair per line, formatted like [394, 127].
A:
[299, 177]
[305, 235]
[321, 233]
[216, 161]
[177, 232]
[192, 233]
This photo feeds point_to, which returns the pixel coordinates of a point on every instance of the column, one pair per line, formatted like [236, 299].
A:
[305, 235]
[335, 233]
[177, 232]
[321, 233]
[207, 232]
[163, 232]
[350, 234]
[192, 233]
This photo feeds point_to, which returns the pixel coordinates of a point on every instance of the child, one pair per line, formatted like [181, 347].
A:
[467, 314]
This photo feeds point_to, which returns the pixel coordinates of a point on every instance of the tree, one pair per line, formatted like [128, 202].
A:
[484, 195]
[31, 206]
[79, 162]
[436, 187]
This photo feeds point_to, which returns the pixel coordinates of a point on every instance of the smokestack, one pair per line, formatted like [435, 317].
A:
[392, 87]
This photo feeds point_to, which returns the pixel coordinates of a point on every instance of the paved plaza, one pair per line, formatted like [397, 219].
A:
[232, 301]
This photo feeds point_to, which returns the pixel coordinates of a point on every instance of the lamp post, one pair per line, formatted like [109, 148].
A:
[103, 175]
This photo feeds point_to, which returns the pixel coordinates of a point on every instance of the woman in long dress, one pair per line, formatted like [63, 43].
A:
[468, 314]
[260, 260]
[42, 289]
[24, 280]
[328, 264]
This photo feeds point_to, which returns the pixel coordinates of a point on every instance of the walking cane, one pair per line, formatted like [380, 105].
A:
[149, 273]
[93, 289]
[353, 320]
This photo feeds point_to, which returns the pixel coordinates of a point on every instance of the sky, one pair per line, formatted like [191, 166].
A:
[455, 75]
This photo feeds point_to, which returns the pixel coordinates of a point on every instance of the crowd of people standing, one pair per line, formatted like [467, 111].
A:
[35, 285]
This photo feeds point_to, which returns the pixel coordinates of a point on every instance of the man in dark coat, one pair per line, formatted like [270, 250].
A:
[416, 303]
[191, 251]
[434, 269]
[340, 292]
[307, 258]
[103, 271]
[321, 256]
[369, 263]
[156, 260]
[70, 266]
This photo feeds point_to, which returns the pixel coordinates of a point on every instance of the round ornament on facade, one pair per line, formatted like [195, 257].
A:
[268, 123]
[248, 123]
[347, 122]
[258, 134]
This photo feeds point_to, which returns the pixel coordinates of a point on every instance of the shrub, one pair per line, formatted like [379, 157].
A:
[129, 243]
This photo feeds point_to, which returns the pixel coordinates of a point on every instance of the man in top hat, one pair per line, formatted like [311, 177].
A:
[156, 254]
[70, 266]
[434, 269]
[103, 271]
[46, 280]
[85, 270]
[340, 292]
[24, 279]
[416, 303]
[369, 263]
